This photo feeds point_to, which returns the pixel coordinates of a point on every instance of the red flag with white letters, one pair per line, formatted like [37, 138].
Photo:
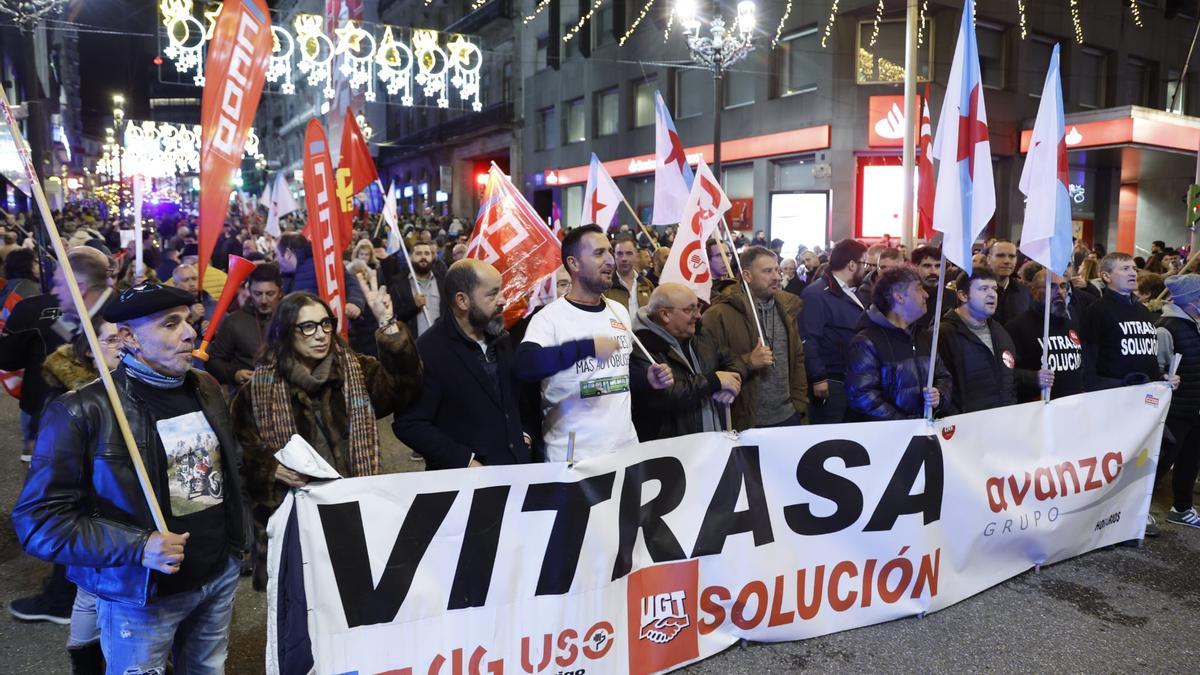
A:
[234, 74]
[511, 236]
[320, 197]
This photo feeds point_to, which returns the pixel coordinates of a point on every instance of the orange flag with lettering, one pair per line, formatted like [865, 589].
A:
[356, 170]
[234, 73]
[321, 200]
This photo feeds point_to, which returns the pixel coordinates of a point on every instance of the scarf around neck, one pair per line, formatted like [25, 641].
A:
[147, 375]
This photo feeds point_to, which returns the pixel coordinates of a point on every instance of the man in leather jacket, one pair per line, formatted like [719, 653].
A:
[82, 505]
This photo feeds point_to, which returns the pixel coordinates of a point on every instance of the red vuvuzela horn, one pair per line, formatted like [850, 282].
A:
[239, 269]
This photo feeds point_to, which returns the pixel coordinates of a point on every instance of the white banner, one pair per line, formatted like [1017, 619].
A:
[668, 552]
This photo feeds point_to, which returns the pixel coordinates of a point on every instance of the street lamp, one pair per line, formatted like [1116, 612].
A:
[118, 123]
[718, 50]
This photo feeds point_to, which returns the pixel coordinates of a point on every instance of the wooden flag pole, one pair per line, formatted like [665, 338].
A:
[1191, 263]
[762, 339]
[82, 310]
[649, 235]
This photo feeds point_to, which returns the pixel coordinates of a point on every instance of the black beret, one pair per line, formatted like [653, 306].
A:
[146, 299]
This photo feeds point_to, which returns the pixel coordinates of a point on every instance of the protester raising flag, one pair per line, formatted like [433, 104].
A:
[321, 201]
[511, 236]
[234, 75]
[672, 175]
[281, 204]
[688, 262]
[966, 194]
[926, 181]
[1046, 234]
[601, 198]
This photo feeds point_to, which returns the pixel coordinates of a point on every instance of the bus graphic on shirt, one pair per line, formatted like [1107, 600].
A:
[601, 386]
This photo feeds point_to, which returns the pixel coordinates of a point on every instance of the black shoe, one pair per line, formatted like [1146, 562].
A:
[87, 660]
[1151, 526]
[41, 608]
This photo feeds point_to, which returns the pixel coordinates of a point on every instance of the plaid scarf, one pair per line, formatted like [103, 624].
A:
[276, 424]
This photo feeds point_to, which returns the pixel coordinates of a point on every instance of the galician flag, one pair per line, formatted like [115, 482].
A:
[1046, 235]
[281, 204]
[966, 194]
[688, 262]
[672, 175]
[601, 198]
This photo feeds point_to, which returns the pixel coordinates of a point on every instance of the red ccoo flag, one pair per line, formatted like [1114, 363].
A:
[234, 73]
[510, 235]
[926, 180]
[322, 221]
[356, 170]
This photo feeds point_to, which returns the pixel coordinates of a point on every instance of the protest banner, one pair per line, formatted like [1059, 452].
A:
[664, 553]
[323, 220]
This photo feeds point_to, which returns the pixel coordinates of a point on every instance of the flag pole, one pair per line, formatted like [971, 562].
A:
[745, 285]
[649, 235]
[937, 322]
[912, 120]
[1046, 338]
[160, 523]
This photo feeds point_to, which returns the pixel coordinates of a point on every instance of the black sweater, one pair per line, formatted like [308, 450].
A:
[1120, 345]
[1066, 353]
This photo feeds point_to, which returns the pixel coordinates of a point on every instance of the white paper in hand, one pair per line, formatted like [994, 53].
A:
[302, 458]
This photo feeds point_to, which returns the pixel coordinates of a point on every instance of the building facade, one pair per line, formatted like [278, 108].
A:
[811, 141]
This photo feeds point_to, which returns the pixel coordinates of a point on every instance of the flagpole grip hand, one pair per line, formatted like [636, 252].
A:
[761, 357]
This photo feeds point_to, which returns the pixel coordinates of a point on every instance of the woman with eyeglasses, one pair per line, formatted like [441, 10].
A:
[309, 382]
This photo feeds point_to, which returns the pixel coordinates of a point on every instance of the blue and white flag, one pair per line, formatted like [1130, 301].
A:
[1046, 235]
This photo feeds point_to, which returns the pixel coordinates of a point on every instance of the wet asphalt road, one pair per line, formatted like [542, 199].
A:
[1124, 609]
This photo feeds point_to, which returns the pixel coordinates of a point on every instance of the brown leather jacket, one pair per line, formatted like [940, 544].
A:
[729, 321]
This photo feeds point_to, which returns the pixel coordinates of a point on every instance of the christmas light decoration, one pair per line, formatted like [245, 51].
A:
[921, 23]
[787, 11]
[421, 67]
[1137, 13]
[833, 10]
[582, 20]
[542, 4]
[1075, 21]
[1021, 14]
[878, 18]
[636, 22]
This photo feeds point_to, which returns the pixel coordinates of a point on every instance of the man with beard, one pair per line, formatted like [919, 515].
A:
[1065, 374]
[1012, 297]
[578, 347]
[832, 310]
[976, 349]
[417, 293]
[927, 260]
[775, 390]
[468, 360]
[240, 336]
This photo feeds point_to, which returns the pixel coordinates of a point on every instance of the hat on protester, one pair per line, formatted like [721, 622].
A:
[145, 299]
[1185, 288]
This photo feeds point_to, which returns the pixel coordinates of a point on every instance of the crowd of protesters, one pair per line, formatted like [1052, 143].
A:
[617, 355]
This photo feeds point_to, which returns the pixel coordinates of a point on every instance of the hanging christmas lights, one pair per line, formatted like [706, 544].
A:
[921, 23]
[542, 4]
[833, 10]
[636, 22]
[422, 67]
[582, 20]
[878, 18]
[1021, 14]
[1075, 21]
[787, 11]
[1137, 13]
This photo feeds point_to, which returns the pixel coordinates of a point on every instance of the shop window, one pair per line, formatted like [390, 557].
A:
[693, 90]
[543, 47]
[572, 206]
[602, 26]
[606, 111]
[738, 183]
[883, 62]
[643, 102]
[643, 197]
[1039, 50]
[800, 62]
[1138, 82]
[739, 88]
[574, 121]
[794, 173]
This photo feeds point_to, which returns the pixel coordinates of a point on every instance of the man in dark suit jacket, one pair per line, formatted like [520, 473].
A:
[468, 411]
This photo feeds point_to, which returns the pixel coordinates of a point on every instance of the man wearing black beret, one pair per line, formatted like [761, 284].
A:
[160, 593]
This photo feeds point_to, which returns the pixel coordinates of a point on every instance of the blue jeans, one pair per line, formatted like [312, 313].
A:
[84, 628]
[193, 626]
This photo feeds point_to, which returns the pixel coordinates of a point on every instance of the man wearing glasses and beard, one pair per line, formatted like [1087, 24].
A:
[468, 413]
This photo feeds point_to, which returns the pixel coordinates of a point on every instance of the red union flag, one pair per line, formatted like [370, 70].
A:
[356, 170]
[511, 236]
[321, 199]
[688, 262]
[234, 74]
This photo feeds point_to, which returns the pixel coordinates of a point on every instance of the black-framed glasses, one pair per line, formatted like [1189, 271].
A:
[309, 328]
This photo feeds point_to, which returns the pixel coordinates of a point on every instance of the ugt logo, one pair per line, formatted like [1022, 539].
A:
[663, 616]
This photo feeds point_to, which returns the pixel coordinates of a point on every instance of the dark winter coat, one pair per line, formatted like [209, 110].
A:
[1012, 301]
[237, 343]
[730, 322]
[1185, 340]
[82, 505]
[29, 336]
[886, 372]
[462, 410]
[983, 378]
[1066, 353]
[401, 289]
[619, 294]
[1120, 344]
[679, 409]
[304, 278]
[827, 324]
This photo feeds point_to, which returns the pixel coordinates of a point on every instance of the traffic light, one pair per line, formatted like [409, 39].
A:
[1193, 205]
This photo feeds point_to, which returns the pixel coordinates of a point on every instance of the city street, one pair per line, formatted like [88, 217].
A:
[1125, 609]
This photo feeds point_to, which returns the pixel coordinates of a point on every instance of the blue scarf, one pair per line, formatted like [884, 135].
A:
[147, 375]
